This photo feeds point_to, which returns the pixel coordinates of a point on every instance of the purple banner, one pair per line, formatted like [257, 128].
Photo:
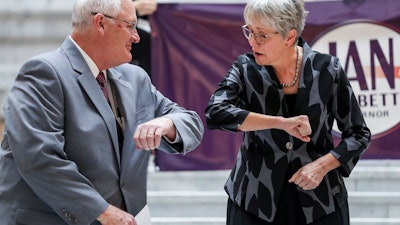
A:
[193, 46]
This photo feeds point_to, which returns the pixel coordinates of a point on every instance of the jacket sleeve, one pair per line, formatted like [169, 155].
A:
[187, 122]
[356, 136]
[222, 111]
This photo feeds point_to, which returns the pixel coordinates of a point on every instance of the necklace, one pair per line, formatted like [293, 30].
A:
[296, 75]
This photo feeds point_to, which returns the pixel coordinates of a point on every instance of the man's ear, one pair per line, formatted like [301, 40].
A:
[98, 21]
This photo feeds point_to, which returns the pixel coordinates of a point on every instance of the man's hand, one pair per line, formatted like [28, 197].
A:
[114, 216]
[148, 135]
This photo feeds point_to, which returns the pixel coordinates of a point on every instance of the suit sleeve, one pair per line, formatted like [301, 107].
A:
[188, 124]
[36, 111]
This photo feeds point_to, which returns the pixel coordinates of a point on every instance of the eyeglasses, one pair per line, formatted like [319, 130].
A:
[259, 38]
[132, 27]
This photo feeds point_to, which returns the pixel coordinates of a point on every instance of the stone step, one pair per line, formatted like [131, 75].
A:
[374, 178]
[213, 204]
[198, 198]
[221, 221]
[210, 208]
[367, 176]
[29, 28]
[32, 27]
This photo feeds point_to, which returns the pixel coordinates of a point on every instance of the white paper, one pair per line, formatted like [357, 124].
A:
[143, 217]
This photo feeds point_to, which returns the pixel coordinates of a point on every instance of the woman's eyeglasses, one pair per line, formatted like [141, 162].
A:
[259, 38]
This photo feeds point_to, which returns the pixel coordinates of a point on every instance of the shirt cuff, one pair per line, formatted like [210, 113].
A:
[178, 139]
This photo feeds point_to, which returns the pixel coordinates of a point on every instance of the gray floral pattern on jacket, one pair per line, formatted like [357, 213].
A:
[324, 95]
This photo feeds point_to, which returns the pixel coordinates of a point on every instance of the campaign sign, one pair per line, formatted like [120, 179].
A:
[369, 53]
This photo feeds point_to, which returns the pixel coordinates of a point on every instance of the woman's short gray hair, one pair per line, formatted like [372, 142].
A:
[83, 9]
[281, 15]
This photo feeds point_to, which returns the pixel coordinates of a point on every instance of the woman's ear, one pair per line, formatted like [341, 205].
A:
[291, 37]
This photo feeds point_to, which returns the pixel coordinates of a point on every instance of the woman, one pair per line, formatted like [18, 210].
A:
[279, 178]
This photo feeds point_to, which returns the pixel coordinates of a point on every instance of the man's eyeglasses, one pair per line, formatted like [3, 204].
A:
[259, 38]
[132, 27]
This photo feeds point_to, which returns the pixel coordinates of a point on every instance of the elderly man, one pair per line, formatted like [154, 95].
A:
[79, 122]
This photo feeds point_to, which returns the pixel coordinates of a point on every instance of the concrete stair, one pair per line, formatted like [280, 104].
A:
[27, 29]
[198, 198]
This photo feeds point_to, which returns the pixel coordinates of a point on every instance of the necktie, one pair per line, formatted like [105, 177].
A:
[101, 79]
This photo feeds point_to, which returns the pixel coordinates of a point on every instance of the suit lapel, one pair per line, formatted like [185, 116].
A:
[125, 100]
[93, 90]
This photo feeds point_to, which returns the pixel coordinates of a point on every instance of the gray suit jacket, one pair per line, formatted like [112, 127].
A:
[59, 160]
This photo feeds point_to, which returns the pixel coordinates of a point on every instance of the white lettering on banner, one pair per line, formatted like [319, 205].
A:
[369, 53]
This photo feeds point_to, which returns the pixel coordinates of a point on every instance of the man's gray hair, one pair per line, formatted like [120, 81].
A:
[83, 10]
